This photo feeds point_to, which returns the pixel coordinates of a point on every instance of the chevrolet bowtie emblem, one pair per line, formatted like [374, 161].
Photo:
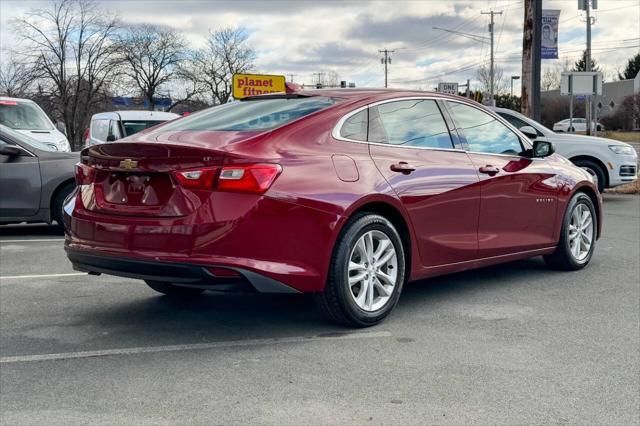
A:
[128, 164]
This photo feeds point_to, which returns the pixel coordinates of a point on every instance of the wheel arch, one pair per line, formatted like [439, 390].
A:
[599, 162]
[389, 208]
[591, 193]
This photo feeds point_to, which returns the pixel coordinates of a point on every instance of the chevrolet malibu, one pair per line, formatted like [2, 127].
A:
[346, 194]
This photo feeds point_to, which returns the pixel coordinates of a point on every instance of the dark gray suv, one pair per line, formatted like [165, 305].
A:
[35, 179]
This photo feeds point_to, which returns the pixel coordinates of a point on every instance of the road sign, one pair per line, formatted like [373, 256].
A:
[257, 84]
[581, 83]
[450, 88]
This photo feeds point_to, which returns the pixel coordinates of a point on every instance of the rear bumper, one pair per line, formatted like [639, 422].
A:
[182, 274]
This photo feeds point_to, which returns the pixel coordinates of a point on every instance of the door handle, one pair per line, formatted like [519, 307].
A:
[489, 170]
[402, 167]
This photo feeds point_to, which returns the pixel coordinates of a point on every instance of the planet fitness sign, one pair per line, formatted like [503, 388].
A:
[257, 84]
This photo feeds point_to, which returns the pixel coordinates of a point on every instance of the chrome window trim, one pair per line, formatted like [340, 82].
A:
[335, 133]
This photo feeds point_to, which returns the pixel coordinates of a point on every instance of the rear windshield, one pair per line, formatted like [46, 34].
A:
[23, 116]
[135, 126]
[259, 114]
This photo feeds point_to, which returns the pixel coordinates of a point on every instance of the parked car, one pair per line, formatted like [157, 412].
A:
[35, 179]
[26, 117]
[111, 126]
[611, 162]
[344, 194]
[576, 125]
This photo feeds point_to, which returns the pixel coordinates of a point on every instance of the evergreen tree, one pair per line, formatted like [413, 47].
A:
[581, 64]
[632, 68]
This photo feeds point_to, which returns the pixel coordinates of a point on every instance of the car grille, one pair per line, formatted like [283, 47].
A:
[627, 170]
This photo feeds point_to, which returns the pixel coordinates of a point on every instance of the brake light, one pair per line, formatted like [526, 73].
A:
[252, 178]
[86, 136]
[197, 178]
[7, 102]
[85, 175]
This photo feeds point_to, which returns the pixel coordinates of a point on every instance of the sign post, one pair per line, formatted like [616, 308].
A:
[245, 85]
[580, 84]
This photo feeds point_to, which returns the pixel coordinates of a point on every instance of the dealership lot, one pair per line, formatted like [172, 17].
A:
[515, 343]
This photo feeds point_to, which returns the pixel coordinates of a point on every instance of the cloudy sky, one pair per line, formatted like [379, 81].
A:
[306, 37]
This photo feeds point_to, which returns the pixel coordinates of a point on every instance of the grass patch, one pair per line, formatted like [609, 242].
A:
[630, 188]
[633, 137]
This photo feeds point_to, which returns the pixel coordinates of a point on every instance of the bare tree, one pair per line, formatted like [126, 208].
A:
[550, 80]
[225, 54]
[499, 82]
[151, 54]
[70, 44]
[16, 78]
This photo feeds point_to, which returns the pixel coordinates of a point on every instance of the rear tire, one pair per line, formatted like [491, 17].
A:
[58, 204]
[366, 273]
[173, 290]
[567, 257]
[594, 170]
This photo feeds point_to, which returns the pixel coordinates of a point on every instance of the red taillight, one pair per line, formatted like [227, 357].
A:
[253, 178]
[197, 178]
[86, 136]
[85, 175]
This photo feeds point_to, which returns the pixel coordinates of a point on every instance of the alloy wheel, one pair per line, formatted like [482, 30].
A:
[581, 230]
[372, 271]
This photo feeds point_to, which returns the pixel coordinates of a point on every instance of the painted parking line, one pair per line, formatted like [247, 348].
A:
[41, 240]
[21, 277]
[191, 347]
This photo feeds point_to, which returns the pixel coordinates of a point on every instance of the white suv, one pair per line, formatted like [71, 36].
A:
[611, 162]
[111, 126]
[26, 117]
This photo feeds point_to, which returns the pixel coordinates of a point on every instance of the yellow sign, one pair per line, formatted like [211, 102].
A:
[257, 84]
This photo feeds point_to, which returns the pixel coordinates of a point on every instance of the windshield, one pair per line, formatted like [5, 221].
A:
[23, 116]
[135, 126]
[22, 138]
[255, 114]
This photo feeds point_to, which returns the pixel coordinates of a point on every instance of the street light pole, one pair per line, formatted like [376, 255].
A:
[513, 77]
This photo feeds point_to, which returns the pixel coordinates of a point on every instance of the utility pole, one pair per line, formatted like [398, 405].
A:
[291, 77]
[589, 106]
[531, 59]
[320, 75]
[386, 61]
[491, 69]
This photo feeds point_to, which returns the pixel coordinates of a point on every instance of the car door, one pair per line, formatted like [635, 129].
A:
[411, 145]
[20, 183]
[518, 193]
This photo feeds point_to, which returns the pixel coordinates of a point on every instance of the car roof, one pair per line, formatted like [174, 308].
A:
[353, 94]
[136, 115]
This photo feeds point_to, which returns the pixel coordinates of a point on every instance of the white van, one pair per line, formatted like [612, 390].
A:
[111, 126]
[26, 117]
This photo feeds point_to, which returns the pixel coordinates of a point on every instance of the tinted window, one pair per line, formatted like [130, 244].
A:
[416, 122]
[100, 129]
[484, 133]
[258, 114]
[135, 126]
[355, 127]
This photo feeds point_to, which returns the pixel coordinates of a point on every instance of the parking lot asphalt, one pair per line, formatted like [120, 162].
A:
[515, 343]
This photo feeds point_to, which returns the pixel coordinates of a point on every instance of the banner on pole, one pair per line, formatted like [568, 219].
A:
[550, 34]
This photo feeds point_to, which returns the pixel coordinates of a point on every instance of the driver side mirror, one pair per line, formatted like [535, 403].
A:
[10, 150]
[542, 149]
[529, 132]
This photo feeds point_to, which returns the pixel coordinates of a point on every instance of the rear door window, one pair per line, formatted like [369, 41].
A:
[410, 123]
[355, 127]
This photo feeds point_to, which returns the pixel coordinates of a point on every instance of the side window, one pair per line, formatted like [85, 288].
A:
[355, 127]
[114, 129]
[100, 129]
[484, 133]
[516, 122]
[415, 122]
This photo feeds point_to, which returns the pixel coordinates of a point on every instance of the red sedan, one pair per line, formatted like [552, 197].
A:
[346, 194]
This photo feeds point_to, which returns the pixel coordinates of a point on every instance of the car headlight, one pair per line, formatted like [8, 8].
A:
[622, 150]
[63, 145]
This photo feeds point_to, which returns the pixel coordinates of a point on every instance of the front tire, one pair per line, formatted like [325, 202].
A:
[577, 236]
[594, 170]
[366, 273]
[173, 290]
